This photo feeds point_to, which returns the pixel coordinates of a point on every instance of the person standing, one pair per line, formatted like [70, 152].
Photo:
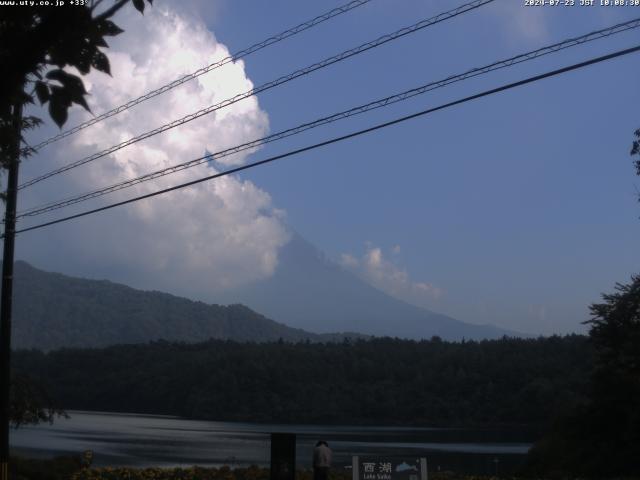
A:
[321, 461]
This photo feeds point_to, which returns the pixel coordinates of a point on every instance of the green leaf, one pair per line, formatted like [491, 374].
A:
[139, 5]
[83, 60]
[25, 98]
[42, 91]
[82, 101]
[58, 112]
[101, 62]
[76, 95]
[60, 95]
[30, 122]
[109, 29]
[101, 42]
[68, 81]
[72, 89]
[57, 74]
[95, 36]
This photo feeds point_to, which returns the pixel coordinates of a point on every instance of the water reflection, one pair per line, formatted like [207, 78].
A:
[145, 440]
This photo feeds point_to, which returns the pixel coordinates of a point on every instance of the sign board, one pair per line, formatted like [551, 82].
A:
[383, 468]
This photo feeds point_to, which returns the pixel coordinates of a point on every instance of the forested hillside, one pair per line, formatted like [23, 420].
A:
[52, 310]
[381, 381]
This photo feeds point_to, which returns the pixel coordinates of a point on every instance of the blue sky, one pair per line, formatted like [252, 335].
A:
[519, 209]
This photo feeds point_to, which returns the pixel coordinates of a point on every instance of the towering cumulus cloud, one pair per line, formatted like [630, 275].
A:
[219, 234]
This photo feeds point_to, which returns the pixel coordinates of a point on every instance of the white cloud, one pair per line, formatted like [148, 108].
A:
[521, 22]
[349, 260]
[384, 274]
[223, 233]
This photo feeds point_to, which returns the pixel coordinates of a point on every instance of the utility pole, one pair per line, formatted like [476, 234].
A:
[7, 290]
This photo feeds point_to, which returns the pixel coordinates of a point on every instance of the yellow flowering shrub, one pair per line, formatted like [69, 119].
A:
[225, 473]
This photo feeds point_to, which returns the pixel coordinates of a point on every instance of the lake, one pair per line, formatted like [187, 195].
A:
[146, 440]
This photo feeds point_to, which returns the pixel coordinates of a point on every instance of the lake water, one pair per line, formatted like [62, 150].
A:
[145, 440]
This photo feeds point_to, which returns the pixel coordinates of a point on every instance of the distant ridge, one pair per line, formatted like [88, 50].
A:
[309, 297]
[311, 292]
[51, 311]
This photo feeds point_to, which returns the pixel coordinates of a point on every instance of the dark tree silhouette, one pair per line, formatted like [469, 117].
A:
[382, 381]
[36, 44]
[613, 436]
[635, 150]
[31, 403]
[602, 438]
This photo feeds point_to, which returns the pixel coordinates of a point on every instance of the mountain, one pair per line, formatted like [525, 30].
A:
[51, 310]
[311, 292]
[308, 293]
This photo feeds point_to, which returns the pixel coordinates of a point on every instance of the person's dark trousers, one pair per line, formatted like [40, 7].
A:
[320, 473]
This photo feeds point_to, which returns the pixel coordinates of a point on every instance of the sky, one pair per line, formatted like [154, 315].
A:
[519, 209]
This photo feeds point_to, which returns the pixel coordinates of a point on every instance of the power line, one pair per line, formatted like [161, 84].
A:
[231, 58]
[589, 37]
[344, 137]
[274, 83]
